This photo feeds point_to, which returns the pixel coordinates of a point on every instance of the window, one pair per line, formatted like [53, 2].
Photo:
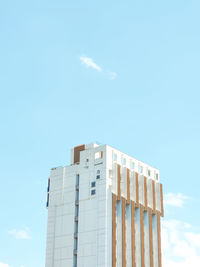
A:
[98, 174]
[77, 179]
[132, 165]
[87, 160]
[156, 176]
[98, 155]
[149, 172]
[48, 188]
[93, 192]
[93, 184]
[115, 157]
[124, 161]
[141, 169]
[47, 204]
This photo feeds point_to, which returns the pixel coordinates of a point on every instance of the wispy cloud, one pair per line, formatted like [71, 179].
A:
[20, 234]
[89, 63]
[112, 75]
[3, 264]
[181, 246]
[176, 200]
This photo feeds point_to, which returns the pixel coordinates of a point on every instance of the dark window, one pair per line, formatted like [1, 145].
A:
[48, 188]
[47, 204]
[93, 192]
[93, 184]
[77, 179]
[98, 177]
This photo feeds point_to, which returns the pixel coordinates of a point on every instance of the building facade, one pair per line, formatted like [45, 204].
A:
[104, 211]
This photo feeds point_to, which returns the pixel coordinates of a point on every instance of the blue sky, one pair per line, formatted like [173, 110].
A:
[124, 73]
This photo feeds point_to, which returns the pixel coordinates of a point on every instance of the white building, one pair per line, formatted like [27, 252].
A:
[104, 211]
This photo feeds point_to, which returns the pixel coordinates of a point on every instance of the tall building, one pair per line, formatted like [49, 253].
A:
[104, 210]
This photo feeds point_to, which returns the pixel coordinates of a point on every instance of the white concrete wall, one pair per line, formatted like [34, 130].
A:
[128, 237]
[119, 233]
[155, 241]
[146, 239]
[95, 212]
[60, 213]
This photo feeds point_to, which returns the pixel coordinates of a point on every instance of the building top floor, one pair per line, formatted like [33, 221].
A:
[93, 153]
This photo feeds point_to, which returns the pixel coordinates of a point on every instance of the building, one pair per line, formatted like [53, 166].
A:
[104, 210]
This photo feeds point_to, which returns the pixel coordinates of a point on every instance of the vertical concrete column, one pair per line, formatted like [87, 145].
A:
[123, 232]
[133, 232]
[113, 230]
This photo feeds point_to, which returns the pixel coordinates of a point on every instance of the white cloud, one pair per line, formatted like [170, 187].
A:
[176, 200]
[89, 62]
[193, 239]
[181, 247]
[3, 265]
[20, 234]
[112, 75]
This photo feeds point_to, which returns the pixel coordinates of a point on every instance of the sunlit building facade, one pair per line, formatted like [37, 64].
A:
[104, 210]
